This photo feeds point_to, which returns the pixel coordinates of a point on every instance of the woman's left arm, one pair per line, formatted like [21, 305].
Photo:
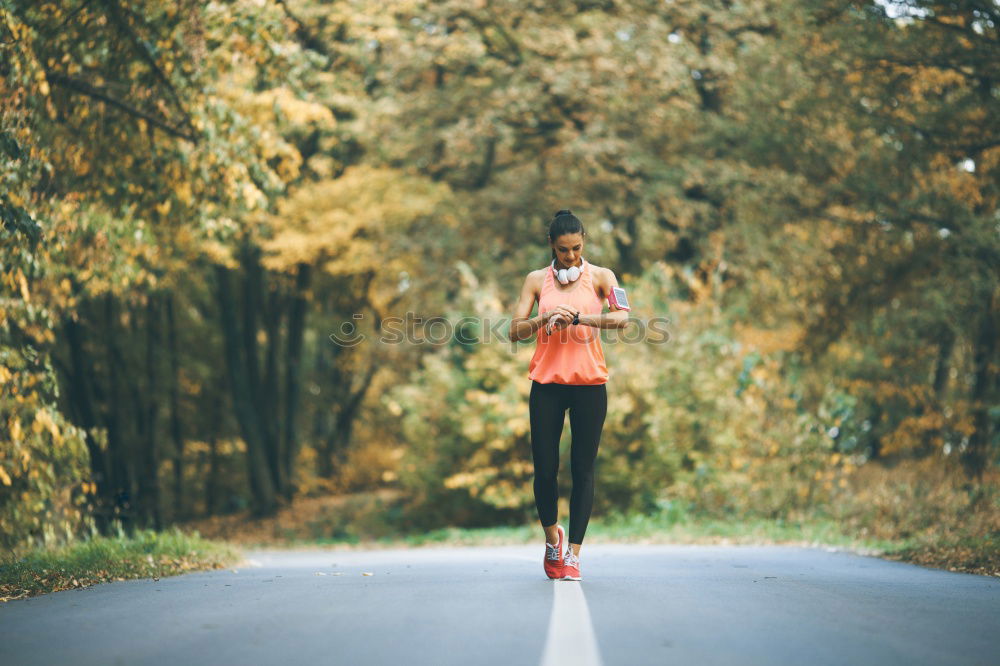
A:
[617, 318]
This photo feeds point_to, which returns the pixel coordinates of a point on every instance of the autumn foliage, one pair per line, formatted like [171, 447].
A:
[197, 199]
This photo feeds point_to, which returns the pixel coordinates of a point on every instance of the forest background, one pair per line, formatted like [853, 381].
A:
[203, 202]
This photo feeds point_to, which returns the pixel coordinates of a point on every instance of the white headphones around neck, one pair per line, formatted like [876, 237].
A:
[567, 275]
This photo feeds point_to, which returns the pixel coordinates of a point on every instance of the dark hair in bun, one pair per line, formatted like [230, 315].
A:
[564, 222]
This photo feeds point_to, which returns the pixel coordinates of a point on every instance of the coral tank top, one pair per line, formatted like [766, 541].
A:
[573, 355]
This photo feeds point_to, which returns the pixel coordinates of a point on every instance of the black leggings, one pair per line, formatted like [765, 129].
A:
[547, 404]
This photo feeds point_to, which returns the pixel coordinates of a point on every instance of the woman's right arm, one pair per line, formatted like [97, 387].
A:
[521, 326]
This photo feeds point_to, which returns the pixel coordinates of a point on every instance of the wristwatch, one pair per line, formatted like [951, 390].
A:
[576, 318]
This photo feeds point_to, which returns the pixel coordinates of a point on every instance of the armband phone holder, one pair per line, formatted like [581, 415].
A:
[618, 298]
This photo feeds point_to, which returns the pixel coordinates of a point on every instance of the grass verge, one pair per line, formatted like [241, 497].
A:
[980, 555]
[639, 529]
[956, 539]
[145, 554]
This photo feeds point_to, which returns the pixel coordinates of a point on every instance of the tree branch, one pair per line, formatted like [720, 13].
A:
[114, 10]
[303, 34]
[85, 88]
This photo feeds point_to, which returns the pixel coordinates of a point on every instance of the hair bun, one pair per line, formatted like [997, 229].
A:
[564, 211]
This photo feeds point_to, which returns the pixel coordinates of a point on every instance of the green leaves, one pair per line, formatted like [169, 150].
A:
[16, 220]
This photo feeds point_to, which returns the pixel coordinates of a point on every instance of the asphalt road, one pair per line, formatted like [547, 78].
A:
[493, 605]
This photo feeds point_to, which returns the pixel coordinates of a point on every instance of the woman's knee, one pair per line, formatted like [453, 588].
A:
[582, 474]
[546, 478]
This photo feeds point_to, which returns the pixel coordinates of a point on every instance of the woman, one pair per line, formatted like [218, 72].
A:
[567, 371]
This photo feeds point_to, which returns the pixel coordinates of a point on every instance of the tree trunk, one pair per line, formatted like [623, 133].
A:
[293, 361]
[259, 392]
[117, 454]
[175, 419]
[81, 398]
[334, 453]
[212, 483]
[151, 454]
[270, 397]
[983, 389]
[245, 407]
[942, 368]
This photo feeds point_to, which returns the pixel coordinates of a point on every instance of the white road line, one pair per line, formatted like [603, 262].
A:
[571, 638]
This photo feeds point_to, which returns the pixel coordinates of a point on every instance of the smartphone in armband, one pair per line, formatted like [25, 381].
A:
[618, 298]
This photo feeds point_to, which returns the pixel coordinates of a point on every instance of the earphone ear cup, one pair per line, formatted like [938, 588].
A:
[565, 276]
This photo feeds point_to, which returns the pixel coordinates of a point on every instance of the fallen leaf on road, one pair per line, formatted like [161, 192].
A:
[367, 573]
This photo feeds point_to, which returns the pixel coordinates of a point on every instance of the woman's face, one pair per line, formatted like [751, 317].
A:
[568, 249]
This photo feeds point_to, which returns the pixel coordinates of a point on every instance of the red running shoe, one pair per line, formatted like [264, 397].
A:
[553, 556]
[571, 565]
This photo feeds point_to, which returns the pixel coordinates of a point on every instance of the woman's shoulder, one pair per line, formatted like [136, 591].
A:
[535, 280]
[601, 274]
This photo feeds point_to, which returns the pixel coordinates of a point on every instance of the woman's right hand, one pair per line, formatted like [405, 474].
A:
[558, 320]
[560, 315]
[564, 310]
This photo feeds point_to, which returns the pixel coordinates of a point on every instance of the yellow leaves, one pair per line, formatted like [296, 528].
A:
[931, 82]
[163, 208]
[22, 284]
[460, 480]
[14, 426]
[473, 429]
[252, 196]
[279, 105]
[4, 477]
[847, 214]
[219, 253]
[43, 421]
[15, 198]
[298, 111]
[43, 84]
[347, 222]
[182, 190]
[853, 77]
[797, 231]
[322, 165]
[519, 426]
[885, 391]
[768, 341]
